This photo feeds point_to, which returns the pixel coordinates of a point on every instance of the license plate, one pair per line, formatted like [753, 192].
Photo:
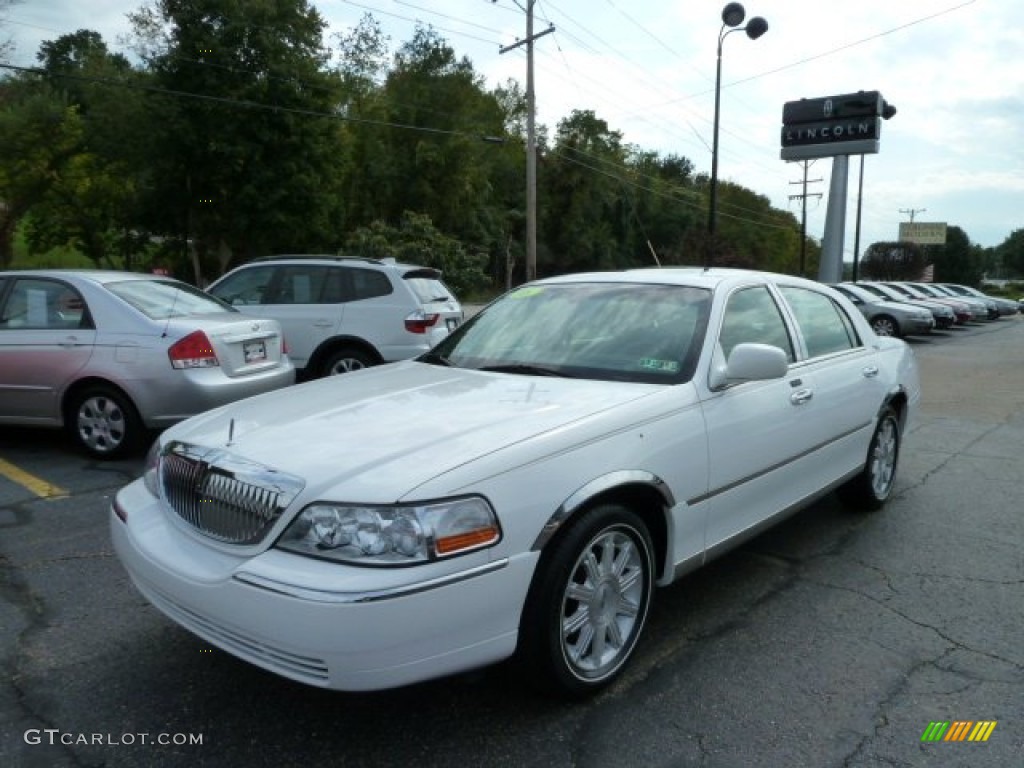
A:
[453, 323]
[255, 351]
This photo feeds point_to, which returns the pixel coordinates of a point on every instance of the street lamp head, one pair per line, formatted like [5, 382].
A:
[733, 15]
[756, 27]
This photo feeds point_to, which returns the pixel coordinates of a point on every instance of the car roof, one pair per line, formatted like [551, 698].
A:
[92, 275]
[321, 257]
[699, 277]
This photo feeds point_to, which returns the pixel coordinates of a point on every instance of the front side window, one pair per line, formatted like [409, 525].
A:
[752, 317]
[825, 327]
[609, 331]
[248, 286]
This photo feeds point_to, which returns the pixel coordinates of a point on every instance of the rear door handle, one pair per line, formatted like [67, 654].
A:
[869, 371]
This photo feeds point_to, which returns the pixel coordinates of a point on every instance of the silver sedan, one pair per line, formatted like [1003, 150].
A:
[110, 355]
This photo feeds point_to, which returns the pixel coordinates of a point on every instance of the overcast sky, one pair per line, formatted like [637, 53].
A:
[953, 69]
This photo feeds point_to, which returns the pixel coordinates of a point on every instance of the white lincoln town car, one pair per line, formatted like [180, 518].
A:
[523, 487]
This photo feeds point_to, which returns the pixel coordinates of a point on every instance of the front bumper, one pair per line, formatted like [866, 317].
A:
[324, 624]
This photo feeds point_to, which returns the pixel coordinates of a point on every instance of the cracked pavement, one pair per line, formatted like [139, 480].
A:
[832, 640]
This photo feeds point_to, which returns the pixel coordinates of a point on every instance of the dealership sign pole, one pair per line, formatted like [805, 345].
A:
[836, 127]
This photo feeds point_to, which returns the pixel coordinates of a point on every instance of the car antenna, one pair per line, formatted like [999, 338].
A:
[170, 313]
[653, 253]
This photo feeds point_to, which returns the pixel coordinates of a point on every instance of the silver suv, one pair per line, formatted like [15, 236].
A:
[342, 313]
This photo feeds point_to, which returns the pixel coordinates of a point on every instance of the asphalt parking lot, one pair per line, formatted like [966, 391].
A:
[835, 639]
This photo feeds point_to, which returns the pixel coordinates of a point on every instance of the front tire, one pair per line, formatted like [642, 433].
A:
[883, 325]
[872, 487]
[589, 601]
[104, 422]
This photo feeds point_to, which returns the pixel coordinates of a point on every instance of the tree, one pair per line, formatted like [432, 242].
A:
[437, 162]
[248, 148]
[41, 133]
[92, 203]
[584, 211]
[957, 260]
[1011, 253]
[417, 241]
[893, 261]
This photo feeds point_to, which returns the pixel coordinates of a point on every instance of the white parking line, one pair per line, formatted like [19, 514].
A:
[38, 486]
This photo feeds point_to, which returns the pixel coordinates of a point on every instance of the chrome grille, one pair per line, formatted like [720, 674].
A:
[224, 496]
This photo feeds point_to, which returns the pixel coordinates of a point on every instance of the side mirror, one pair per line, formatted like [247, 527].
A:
[751, 362]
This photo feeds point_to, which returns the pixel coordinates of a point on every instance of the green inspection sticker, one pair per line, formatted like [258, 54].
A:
[525, 293]
[664, 366]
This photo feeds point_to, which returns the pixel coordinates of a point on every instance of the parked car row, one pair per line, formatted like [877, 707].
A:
[111, 356]
[906, 308]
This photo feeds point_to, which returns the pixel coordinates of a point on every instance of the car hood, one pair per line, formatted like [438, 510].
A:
[376, 434]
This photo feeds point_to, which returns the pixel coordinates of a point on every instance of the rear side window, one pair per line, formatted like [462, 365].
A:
[299, 284]
[368, 283]
[43, 304]
[826, 328]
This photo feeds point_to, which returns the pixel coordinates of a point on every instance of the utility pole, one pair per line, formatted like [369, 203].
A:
[803, 215]
[531, 138]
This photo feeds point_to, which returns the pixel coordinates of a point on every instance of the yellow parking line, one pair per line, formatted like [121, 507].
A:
[38, 486]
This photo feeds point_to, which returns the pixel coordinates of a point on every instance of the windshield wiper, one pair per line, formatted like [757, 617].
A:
[529, 370]
[436, 359]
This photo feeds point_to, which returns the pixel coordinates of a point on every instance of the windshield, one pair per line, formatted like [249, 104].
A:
[163, 299]
[612, 331]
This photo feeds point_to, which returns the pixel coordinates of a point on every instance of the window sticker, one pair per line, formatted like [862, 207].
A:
[662, 366]
[528, 292]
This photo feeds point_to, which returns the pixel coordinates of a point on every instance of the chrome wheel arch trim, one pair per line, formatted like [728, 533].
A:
[596, 487]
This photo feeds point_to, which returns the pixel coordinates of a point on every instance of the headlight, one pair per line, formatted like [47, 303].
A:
[151, 470]
[399, 535]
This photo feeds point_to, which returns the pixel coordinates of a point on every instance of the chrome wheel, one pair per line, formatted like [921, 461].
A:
[588, 601]
[345, 365]
[882, 462]
[602, 602]
[873, 485]
[345, 360]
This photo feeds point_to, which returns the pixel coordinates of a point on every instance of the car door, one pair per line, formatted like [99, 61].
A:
[758, 431]
[46, 338]
[301, 297]
[848, 390]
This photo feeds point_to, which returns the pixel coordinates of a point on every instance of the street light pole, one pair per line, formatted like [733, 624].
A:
[732, 16]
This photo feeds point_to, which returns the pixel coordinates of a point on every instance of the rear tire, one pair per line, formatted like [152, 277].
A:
[345, 360]
[588, 602]
[872, 487]
[104, 422]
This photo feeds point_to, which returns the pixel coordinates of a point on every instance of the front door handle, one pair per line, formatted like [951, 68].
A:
[801, 396]
[869, 371]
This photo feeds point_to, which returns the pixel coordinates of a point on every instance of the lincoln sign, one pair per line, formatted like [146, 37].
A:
[848, 124]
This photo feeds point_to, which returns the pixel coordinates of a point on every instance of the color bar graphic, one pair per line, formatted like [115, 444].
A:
[959, 730]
